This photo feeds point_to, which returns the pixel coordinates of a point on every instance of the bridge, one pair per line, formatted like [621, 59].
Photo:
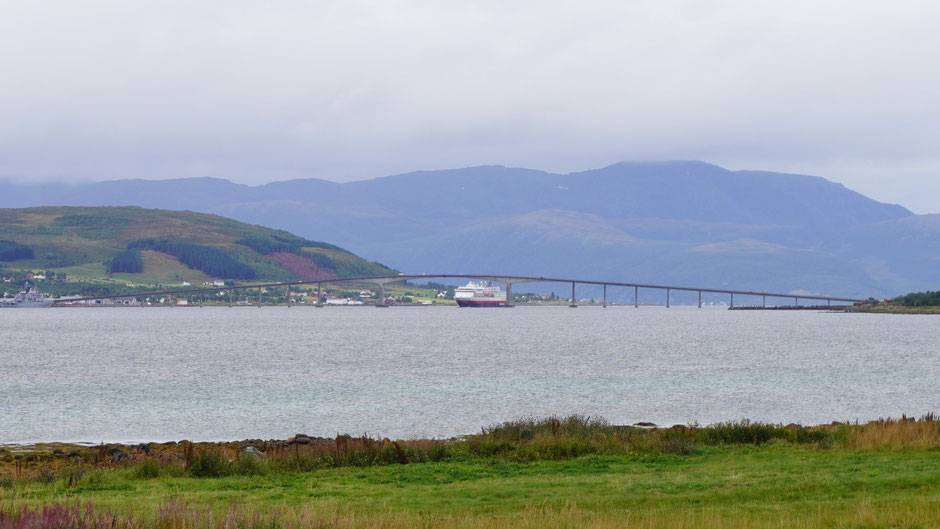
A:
[508, 280]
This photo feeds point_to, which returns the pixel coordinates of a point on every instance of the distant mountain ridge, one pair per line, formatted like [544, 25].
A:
[687, 222]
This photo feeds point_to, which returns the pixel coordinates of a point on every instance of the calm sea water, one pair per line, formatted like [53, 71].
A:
[222, 374]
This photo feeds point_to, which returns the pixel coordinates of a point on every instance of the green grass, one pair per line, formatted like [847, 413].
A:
[884, 474]
[775, 481]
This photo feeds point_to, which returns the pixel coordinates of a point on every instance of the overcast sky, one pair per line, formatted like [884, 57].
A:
[260, 91]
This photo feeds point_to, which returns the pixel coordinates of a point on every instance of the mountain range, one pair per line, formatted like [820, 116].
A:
[684, 222]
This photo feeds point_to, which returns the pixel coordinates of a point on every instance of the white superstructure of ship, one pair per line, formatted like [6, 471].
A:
[27, 299]
[482, 294]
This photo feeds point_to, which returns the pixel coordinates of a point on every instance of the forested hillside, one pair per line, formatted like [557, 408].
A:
[148, 246]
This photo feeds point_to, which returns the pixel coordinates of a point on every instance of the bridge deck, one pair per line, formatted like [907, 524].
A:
[381, 280]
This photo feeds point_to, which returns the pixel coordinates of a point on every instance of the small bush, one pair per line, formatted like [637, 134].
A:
[210, 465]
[486, 447]
[741, 432]
[676, 441]
[439, 452]
[250, 465]
[303, 463]
[148, 469]
[843, 434]
[812, 435]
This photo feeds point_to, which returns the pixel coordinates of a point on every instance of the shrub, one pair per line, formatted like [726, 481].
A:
[741, 432]
[250, 465]
[677, 441]
[210, 465]
[148, 469]
[813, 435]
[439, 452]
[487, 447]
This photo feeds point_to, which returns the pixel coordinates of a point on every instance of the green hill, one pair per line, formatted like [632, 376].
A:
[140, 246]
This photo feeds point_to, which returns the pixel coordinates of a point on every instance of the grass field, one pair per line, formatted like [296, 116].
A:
[773, 486]
[880, 475]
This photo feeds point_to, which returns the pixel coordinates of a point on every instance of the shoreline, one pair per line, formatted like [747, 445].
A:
[570, 471]
[54, 447]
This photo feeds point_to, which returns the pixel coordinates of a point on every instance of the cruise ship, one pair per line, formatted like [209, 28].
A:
[480, 295]
[27, 299]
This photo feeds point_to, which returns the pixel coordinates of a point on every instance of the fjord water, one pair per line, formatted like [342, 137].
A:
[158, 374]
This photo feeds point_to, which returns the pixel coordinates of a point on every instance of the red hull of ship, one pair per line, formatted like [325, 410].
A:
[480, 303]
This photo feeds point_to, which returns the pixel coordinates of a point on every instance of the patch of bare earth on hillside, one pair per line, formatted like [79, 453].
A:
[301, 266]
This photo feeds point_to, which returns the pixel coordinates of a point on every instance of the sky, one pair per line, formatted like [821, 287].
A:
[345, 90]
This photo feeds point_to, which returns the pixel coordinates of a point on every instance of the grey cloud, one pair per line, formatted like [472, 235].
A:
[346, 90]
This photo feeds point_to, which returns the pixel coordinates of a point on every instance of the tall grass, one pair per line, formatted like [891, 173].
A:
[895, 434]
[531, 439]
[522, 440]
[176, 515]
[562, 438]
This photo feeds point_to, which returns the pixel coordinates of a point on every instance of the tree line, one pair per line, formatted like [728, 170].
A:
[919, 299]
[14, 251]
[126, 262]
[283, 243]
[211, 261]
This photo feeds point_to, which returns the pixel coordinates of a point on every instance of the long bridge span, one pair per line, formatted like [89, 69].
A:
[508, 280]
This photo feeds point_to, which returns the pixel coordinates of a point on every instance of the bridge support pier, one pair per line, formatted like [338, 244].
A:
[319, 304]
[259, 297]
[667, 297]
[763, 302]
[636, 297]
[605, 296]
[229, 299]
[574, 303]
[796, 302]
[699, 299]
[508, 296]
[381, 301]
[732, 300]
